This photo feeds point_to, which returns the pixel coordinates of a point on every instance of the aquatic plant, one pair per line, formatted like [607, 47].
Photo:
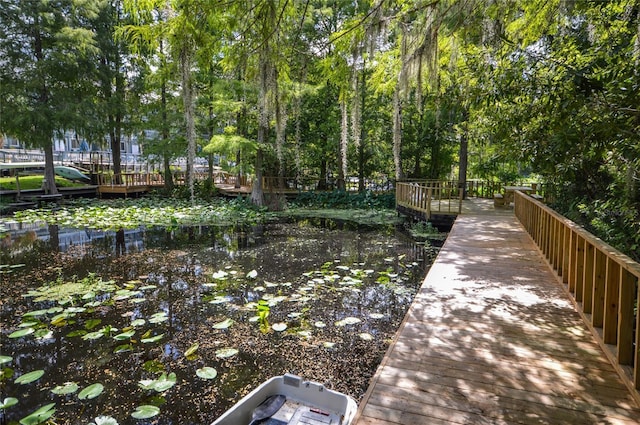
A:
[147, 212]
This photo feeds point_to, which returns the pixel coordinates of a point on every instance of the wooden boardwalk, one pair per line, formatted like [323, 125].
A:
[493, 338]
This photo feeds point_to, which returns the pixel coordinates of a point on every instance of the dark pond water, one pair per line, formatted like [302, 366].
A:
[340, 290]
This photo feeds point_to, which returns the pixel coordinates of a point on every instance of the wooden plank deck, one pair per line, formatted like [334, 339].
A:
[492, 338]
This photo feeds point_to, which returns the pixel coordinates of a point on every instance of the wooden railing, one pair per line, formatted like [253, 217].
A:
[602, 282]
[429, 197]
[130, 179]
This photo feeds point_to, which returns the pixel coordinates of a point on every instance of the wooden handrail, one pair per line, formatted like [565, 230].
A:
[602, 282]
[429, 197]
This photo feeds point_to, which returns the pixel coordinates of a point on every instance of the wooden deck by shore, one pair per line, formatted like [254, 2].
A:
[493, 338]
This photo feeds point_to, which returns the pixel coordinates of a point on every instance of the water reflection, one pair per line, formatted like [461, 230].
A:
[180, 284]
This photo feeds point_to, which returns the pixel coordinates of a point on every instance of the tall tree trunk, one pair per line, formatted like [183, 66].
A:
[168, 175]
[49, 181]
[281, 126]
[189, 115]
[116, 139]
[464, 156]
[397, 134]
[257, 192]
[344, 140]
[114, 142]
[322, 180]
[239, 172]
[361, 158]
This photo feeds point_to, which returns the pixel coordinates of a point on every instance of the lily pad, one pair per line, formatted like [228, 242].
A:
[348, 321]
[66, 388]
[92, 323]
[125, 335]
[39, 416]
[138, 322]
[224, 324]
[92, 391]
[123, 348]
[159, 317]
[152, 339]
[279, 327]
[161, 384]
[145, 411]
[207, 372]
[29, 377]
[366, 336]
[191, 350]
[225, 353]
[8, 402]
[93, 335]
[21, 332]
[220, 274]
[104, 420]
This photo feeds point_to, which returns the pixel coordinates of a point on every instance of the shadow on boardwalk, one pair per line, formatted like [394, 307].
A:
[492, 338]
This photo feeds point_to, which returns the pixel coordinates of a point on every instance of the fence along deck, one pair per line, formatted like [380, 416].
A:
[492, 338]
[602, 282]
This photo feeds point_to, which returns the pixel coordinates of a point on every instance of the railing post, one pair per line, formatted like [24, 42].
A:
[628, 293]
[588, 277]
[611, 295]
[599, 283]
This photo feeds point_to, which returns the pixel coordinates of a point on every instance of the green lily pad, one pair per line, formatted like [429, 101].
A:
[152, 339]
[207, 373]
[138, 322]
[159, 317]
[66, 388]
[92, 323]
[8, 402]
[92, 391]
[146, 287]
[161, 384]
[29, 377]
[224, 324]
[225, 353]
[125, 335]
[39, 416]
[35, 313]
[21, 332]
[145, 411]
[93, 335]
[191, 350]
[123, 348]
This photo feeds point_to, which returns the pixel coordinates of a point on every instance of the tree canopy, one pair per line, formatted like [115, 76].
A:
[488, 89]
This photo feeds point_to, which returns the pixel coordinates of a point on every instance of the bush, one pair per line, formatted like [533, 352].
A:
[341, 199]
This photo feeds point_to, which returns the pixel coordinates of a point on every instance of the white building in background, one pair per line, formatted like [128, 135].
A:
[72, 142]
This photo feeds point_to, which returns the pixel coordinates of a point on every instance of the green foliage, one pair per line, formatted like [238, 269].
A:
[263, 309]
[345, 200]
